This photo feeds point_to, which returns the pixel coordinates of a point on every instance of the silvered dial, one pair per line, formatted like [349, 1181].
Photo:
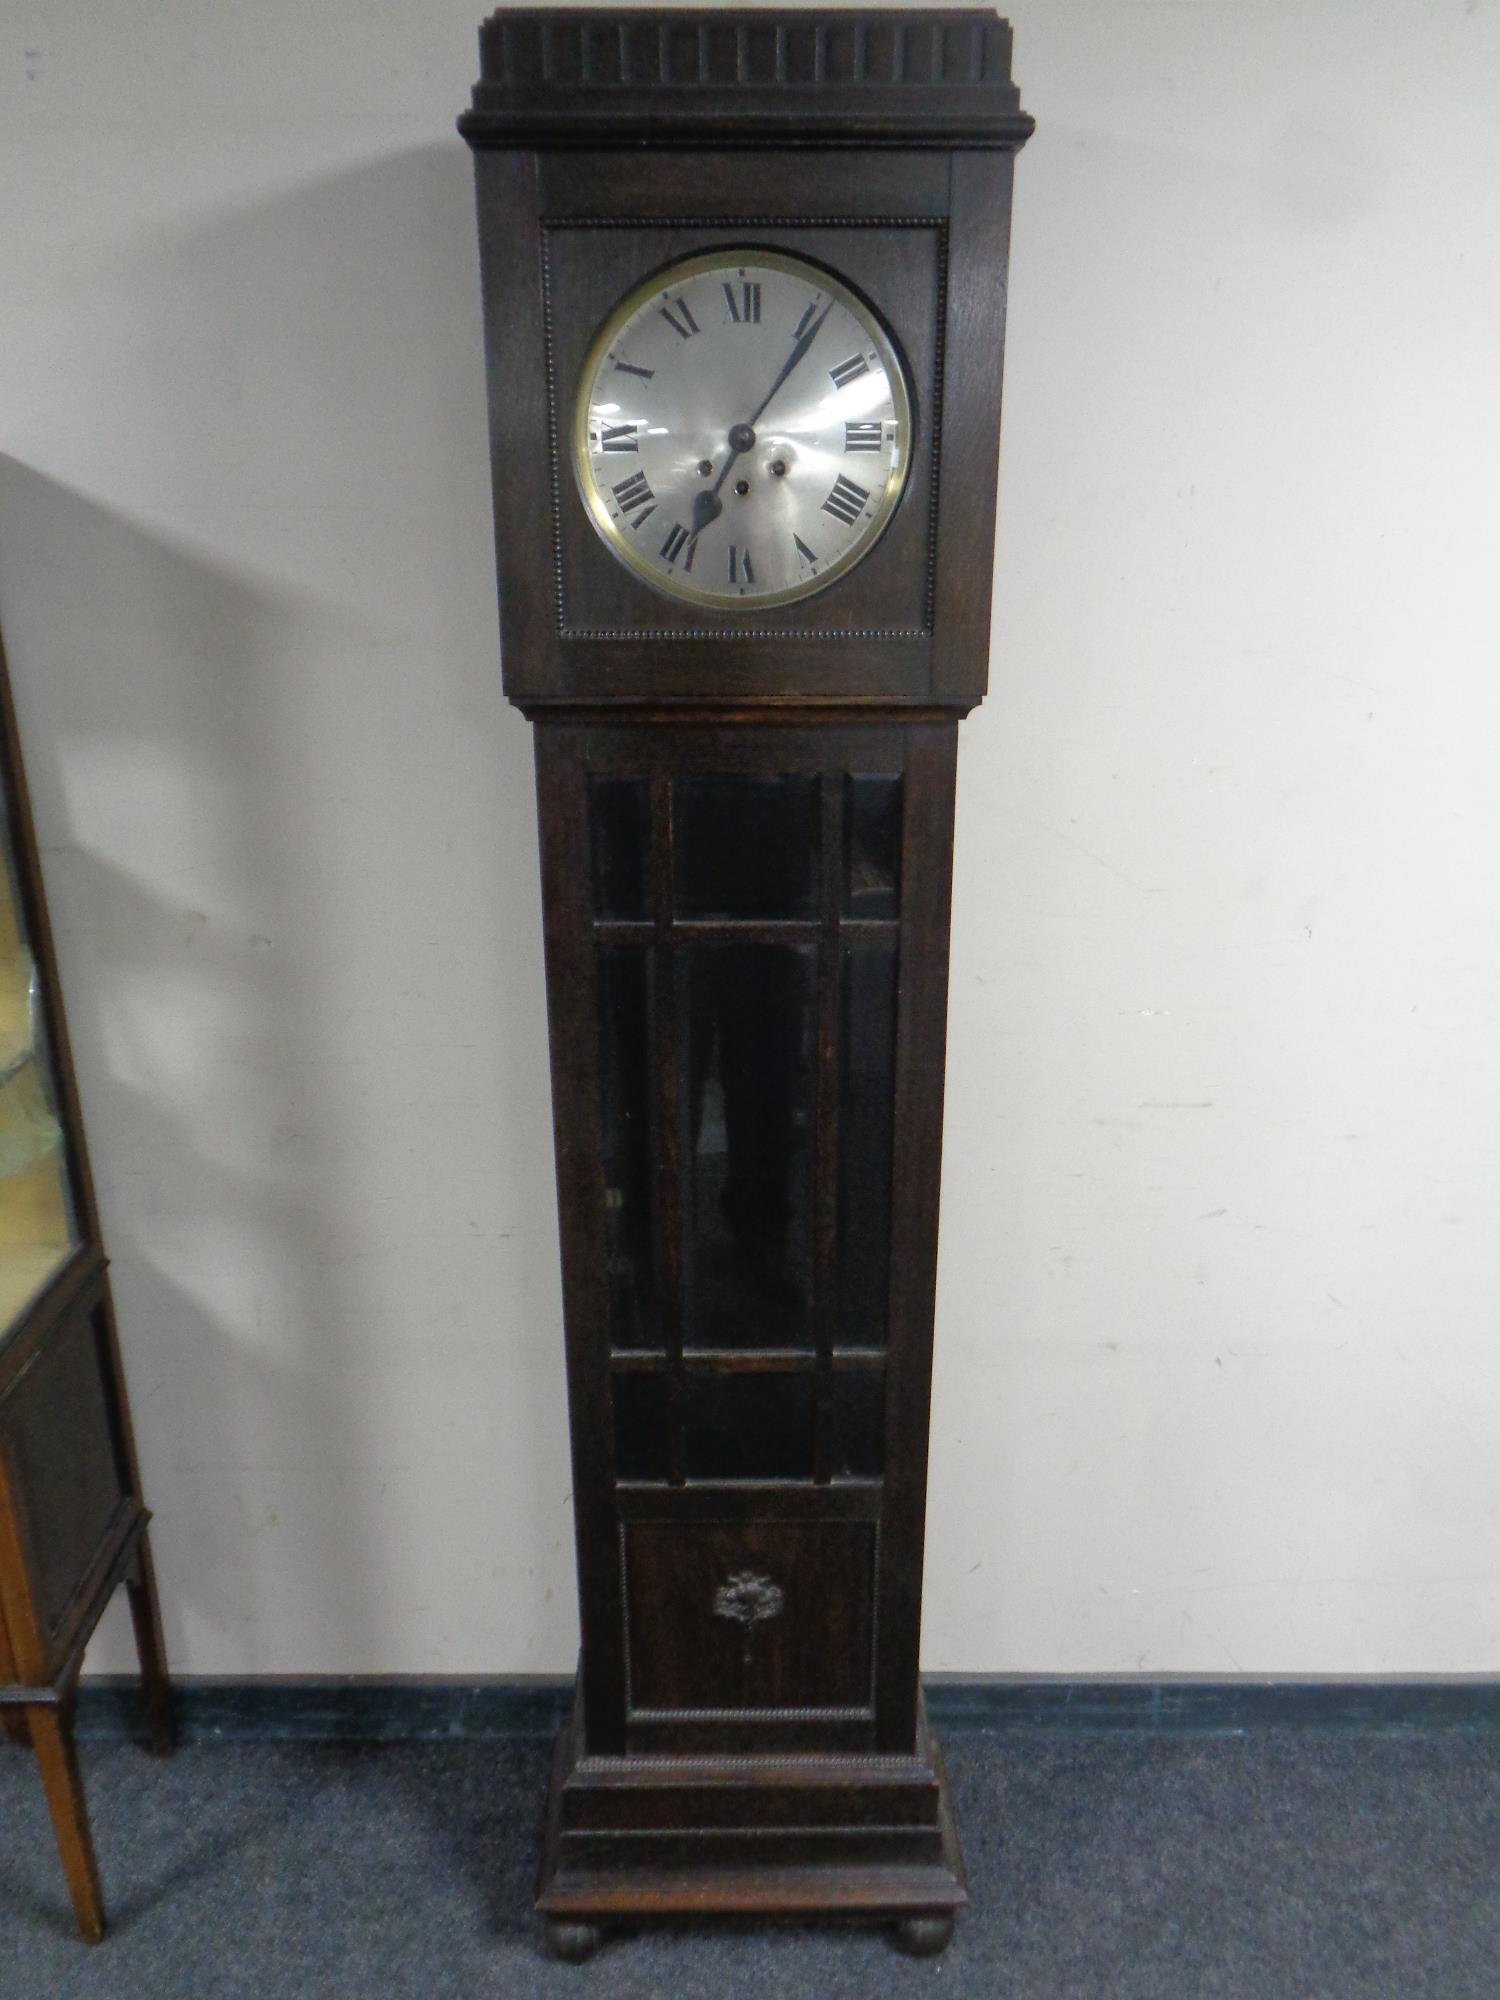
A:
[743, 429]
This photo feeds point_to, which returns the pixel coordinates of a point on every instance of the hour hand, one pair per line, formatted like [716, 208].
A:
[707, 506]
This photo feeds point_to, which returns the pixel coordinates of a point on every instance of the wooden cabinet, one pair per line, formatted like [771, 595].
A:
[72, 1521]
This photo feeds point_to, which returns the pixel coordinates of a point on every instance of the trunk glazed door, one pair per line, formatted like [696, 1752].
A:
[747, 941]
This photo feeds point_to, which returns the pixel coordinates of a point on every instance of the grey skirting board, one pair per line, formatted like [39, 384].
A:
[400, 1709]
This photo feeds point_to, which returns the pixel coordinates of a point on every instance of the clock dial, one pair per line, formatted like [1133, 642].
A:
[743, 429]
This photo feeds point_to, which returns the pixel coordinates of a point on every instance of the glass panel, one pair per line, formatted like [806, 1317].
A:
[867, 1086]
[858, 1426]
[746, 1014]
[748, 1426]
[625, 1030]
[620, 846]
[745, 846]
[37, 1227]
[640, 1426]
[872, 845]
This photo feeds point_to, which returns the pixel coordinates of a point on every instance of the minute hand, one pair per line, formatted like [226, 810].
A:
[792, 359]
[708, 506]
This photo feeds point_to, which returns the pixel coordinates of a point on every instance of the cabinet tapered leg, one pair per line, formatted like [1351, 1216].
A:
[52, 1737]
[156, 1688]
[12, 1720]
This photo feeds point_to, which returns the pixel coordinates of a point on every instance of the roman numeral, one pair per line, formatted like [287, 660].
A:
[747, 306]
[743, 572]
[849, 371]
[677, 540]
[862, 437]
[618, 437]
[805, 322]
[803, 550]
[629, 368]
[632, 493]
[846, 501]
[686, 326]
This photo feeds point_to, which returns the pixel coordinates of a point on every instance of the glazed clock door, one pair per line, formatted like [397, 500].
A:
[737, 926]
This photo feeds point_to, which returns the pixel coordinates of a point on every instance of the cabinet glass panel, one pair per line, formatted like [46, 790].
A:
[745, 1017]
[748, 1426]
[872, 845]
[620, 848]
[858, 1425]
[625, 1042]
[745, 846]
[867, 1087]
[640, 1427]
[37, 1225]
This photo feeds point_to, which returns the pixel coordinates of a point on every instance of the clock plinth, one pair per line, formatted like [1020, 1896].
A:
[859, 1835]
[744, 296]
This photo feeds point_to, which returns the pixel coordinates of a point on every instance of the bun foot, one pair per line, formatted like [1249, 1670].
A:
[925, 1937]
[574, 1943]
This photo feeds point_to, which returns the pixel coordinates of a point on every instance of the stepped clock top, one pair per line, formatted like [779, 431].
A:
[552, 76]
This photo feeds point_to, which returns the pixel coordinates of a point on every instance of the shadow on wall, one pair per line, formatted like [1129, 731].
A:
[287, 830]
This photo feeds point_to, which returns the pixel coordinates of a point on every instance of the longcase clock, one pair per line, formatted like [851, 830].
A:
[744, 280]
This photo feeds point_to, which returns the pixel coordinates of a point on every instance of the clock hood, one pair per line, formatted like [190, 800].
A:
[880, 76]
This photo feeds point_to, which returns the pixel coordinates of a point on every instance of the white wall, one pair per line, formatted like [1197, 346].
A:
[1217, 1383]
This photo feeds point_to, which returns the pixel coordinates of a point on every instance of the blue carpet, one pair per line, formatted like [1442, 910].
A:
[1286, 1865]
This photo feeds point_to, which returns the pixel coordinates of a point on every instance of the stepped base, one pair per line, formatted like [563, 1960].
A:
[868, 1834]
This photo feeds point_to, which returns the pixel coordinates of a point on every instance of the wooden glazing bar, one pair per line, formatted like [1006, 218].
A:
[826, 1204]
[666, 1063]
[750, 1500]
[748, 1361]
[740, 930]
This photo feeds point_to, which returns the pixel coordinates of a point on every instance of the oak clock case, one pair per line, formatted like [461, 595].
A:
[73, 1526]
[760, 250]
